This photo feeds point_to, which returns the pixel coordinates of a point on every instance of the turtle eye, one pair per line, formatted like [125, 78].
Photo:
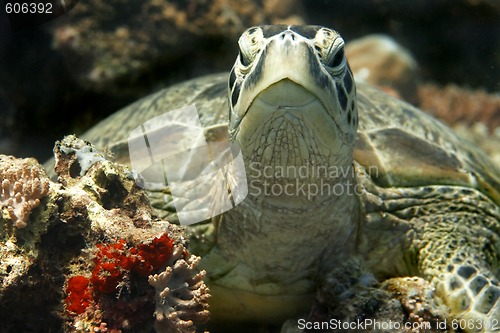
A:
[337, 59]
[243, 59]
[330, 47]
[249, 44]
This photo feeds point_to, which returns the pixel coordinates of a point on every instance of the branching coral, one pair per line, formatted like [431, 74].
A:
[181, 295]
[23, 184]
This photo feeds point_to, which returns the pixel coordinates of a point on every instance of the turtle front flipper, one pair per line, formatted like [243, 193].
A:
[473, 296]
[450, 235]
[458, 253]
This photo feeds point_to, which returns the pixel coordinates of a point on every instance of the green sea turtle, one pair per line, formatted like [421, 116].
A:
[334, 170]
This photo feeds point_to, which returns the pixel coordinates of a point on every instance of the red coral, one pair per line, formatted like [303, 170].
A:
[79, 295]
[112, 263]
[153, 256]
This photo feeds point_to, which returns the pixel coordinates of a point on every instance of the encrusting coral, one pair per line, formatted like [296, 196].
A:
[181, 295]
[23, 182]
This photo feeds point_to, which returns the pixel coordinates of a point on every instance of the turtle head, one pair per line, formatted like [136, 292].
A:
[292, 97]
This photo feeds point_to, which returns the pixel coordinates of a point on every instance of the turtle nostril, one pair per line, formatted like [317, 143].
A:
[286, 35]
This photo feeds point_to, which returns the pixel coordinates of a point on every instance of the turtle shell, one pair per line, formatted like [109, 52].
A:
[399, 145]
[208, 94]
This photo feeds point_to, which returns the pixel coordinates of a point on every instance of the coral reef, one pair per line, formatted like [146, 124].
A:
[93, 241]
[458, 105]
[117, 283]
[474, 114]
[23, 183]
[96, 42]
[182, 297]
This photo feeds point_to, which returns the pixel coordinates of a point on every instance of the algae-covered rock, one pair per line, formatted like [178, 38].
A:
[352, 300]
[88, 251]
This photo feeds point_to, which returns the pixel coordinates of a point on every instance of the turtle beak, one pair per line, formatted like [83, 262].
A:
[284, 58]
[286, 94]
